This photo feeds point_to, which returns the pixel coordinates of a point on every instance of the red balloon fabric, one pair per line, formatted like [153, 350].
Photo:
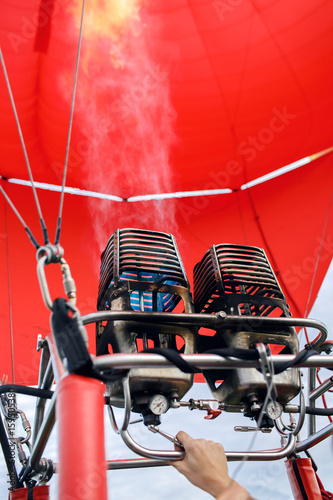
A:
[174, 96]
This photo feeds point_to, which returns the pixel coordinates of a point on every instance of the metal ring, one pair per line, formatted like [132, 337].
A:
[53, 253]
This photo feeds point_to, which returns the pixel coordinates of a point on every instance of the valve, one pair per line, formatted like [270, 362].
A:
[212, 414]
[213, 407]
[173, 439]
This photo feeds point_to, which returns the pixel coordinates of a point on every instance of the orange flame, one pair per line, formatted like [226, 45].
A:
[107, 19]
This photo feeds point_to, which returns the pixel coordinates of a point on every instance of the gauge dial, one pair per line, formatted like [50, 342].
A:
[274, 410]
[158, 404]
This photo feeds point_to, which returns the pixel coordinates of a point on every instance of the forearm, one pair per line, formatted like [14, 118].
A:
[205, 466]
[235, 492]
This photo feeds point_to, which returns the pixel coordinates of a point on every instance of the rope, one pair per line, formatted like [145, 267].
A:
[58, 231]
[44, 229]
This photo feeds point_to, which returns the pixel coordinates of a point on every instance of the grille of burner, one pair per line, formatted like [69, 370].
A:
[148, 262]
[239, 280]
[142, 271]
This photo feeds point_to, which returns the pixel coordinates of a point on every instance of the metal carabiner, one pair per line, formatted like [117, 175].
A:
[53, 254]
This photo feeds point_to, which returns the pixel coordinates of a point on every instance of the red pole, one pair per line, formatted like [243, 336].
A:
[82, 466]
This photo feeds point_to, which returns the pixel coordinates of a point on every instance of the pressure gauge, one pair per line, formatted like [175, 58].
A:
[158, 404]
[274, 410]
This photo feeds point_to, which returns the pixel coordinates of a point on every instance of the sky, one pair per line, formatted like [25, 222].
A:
[265, 480]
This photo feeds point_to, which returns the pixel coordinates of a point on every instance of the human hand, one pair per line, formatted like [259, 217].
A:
[205, 466]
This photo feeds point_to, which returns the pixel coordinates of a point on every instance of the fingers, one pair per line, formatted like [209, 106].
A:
[204, 464]
[184, 438]
[192, 445]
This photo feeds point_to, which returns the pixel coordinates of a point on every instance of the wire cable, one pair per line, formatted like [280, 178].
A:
[42, 223]
[10, 308]
[20, 218]
[318, 256]
[58, 231]
[319, 253]
[316, 268]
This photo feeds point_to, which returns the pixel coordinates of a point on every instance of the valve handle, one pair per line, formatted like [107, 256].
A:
[211, 414]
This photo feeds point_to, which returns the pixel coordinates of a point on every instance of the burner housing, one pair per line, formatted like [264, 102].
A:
[240, 281]
[142, 271]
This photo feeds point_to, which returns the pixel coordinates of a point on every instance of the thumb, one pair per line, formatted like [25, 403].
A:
[184, 438]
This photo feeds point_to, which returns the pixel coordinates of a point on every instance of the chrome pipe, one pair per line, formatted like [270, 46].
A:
[57, 364]
[147, 453]
[264, 455]
[288, 408]
[218, 320]
[232, 456]
[319, 391]
[134, 463]
[315, 438]
[127, 410]
[202, 361]
[41, 402]
[312, 385]
[43, 436]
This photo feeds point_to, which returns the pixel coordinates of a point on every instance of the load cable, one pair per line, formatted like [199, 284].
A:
[316, 266]
[319, 254]
[58, 231]
[20, 218]
[41, 220]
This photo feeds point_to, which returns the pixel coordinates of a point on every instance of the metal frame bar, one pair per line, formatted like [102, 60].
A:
[315, 438]
[262, 455]
[214, 321]
[202, 361]
[42, 436]
[321, 389]
[45, 382]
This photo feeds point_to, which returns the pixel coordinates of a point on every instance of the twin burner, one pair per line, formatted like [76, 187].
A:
[142, 271]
